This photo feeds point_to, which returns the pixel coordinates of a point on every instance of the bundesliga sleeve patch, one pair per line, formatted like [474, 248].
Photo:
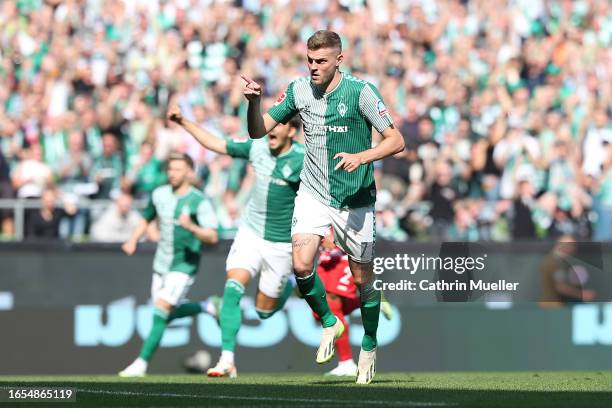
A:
[382, 109]
[280, 99]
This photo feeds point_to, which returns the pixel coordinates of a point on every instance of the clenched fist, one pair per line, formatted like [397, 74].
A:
[174, 114]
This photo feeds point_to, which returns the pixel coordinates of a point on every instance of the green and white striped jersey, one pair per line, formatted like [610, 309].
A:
[178, 250]
[337, 121]
[270, 208]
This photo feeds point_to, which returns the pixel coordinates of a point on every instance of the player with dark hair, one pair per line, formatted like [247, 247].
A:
[186, 221]
[262, 245]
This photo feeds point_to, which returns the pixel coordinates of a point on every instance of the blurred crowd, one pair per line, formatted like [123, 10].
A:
[504, 105]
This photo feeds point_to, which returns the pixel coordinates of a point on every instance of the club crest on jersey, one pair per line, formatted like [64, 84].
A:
[382, 109]
[280, 99]
[286, 171]
[342, 108]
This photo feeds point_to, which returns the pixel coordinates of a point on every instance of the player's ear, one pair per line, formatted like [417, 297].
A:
[339, 59]
[292, 132]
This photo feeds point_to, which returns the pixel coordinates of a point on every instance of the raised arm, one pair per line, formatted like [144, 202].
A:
[259, 125]
[204, 137]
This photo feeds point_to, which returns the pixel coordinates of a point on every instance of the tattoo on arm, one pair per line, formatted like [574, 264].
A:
[300, 243]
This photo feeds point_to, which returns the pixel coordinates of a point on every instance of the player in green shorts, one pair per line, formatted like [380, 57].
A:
[337, 187]
[263, 242]
[186, 221]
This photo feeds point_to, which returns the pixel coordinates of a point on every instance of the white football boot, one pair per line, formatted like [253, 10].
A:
[223, 369]
[137, 369]
[366, 368]
[327, 347]
[346, 368]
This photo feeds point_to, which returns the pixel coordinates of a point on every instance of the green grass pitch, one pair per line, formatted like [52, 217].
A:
[470, 389]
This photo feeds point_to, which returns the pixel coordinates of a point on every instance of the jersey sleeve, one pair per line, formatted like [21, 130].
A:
[239, 148]
[149, 212]
[207, 217]
[284, 108]
[373, 108]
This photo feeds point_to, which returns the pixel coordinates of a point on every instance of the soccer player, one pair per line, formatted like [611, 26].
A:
[263, 242]
[186, 220]
[337, 184]
[342, 297]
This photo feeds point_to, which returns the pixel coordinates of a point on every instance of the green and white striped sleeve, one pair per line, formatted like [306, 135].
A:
[284, 107]
[373, 108]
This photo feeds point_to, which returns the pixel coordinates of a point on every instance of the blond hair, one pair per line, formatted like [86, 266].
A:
[324, 39]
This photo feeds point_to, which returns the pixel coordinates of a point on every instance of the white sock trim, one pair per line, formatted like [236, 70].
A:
[304, 277]
[227, 356]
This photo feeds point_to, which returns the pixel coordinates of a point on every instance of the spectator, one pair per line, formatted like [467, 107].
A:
[442, 195]
[74, 166]
[563, 279]
[107, 169]
[489, 87]
[523, 227]
[32, 175]
[117, 222]
[7, 228]
[146, 172]
[598, 136]
[44, 223]
[73, 175]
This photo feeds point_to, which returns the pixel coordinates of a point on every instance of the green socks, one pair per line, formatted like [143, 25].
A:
[285, 294]
[370, 311]
[280, 303]
[231, 315]
[313, 291]
[184, 310]
[160, 321]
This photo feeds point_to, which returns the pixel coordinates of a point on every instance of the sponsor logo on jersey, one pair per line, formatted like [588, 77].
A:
[382, 109]
[272, 180]
[342, 108]
[326, 128]
[280, 99]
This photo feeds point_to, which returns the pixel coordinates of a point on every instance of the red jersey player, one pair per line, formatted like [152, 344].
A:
[343, 299]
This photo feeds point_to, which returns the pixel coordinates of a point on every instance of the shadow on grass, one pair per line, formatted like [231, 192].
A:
[335, 393]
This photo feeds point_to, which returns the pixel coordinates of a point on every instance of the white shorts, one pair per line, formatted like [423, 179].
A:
[171, 287]
[353, 227]
[255, 254]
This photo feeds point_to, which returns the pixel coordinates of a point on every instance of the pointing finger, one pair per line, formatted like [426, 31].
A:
[248, 80]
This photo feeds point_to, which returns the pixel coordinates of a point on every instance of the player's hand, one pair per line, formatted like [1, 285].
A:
[129, 247]
[184, 221]
[349, 161]
[252, 90]
[174, 114]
